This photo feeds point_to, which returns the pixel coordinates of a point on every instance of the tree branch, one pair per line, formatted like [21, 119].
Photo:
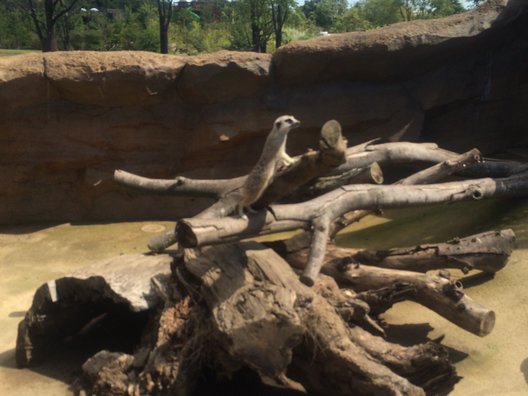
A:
[488, 252]
[439, 293]
[346, 199]
[321, 229]
[430, 175]
[65, 10]
[405, 152]
[179, 185]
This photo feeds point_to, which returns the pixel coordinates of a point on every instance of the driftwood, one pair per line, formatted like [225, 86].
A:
[320, 212]
[258, 315]
[231, 306]
[486, 252]
[401, 275]
[262, 317]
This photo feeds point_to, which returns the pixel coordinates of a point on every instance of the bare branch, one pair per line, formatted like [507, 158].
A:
[347, 199]
[430, 175]
[179, 185]
[438, 293]
[321, 229]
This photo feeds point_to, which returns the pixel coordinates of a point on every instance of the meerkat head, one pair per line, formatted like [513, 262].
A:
[286, 123]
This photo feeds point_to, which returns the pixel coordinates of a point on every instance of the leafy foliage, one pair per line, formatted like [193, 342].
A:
[205, 26]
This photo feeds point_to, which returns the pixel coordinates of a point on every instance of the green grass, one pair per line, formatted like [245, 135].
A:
[7, 52]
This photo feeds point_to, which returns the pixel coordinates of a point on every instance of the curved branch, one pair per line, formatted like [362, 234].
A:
[487, 252]
[444, 169]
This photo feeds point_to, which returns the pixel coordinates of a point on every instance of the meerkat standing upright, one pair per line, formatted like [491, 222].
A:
[272, 158]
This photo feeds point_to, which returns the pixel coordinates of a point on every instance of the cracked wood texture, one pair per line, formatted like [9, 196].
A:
[272, 322]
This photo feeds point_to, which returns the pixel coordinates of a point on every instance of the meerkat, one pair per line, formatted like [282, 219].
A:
[273, 157]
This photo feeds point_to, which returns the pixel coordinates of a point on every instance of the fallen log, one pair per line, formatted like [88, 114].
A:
[439, 293]
[487, 252]
[246, 308]
[271, 321]
[117, 291]
[382, 287]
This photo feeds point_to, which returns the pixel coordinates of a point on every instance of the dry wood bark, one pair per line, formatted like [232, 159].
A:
[270, 321]
[358, 159]
[429, 175]
[319, 212]
[487, 252]
[404, 152]
[309, 166]
[259, 315]
[382, 287]
[254, 310]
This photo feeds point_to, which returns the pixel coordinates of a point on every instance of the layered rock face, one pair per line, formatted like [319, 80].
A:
[67, 120]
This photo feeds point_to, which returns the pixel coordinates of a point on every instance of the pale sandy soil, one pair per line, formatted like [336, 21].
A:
[494, 365]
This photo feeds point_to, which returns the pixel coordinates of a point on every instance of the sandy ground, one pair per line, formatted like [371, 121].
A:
[30, 256]
[494, 365]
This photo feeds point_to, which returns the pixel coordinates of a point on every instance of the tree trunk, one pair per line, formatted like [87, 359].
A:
[49, 43]
[278, 38]
[255, 37]
[164, 38]
[278, 24]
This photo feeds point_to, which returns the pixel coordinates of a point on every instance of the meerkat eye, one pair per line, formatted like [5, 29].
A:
[289, 121]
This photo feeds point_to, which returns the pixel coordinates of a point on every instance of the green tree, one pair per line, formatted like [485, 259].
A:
[325, 13]
[252, 25]
[45, 15]
[16, 29]
[382, 12]
[69, 23]
[354, 20]
[385, 12]
[441, 8]
[436, 8]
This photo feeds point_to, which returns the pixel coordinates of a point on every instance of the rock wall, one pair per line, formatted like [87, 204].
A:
[67, 120]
